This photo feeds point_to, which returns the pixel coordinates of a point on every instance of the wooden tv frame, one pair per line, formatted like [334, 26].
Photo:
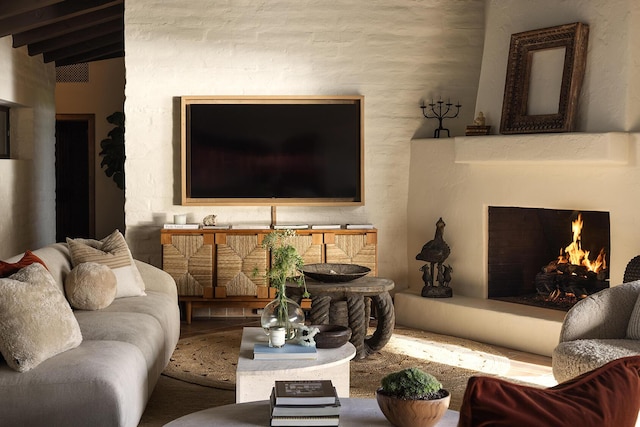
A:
[185, 101]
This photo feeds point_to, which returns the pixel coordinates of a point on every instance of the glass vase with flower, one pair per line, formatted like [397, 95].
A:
[282, 318]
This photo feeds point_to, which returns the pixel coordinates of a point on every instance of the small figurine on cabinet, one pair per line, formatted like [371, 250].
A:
[209, 220]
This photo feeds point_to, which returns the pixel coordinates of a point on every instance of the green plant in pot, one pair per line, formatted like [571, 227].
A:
[282, 317]
[411, 398]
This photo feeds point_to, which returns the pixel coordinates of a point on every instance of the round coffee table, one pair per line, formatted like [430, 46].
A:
[353, 413]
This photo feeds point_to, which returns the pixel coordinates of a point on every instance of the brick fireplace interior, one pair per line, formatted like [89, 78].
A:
[523, 241]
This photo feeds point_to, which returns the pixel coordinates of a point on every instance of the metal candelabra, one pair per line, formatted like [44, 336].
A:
[437, 113]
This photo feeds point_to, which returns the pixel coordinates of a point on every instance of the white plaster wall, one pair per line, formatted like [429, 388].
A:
[461, 192]
[395, 53]
[27, 180]
[609, 99]
[101, 96]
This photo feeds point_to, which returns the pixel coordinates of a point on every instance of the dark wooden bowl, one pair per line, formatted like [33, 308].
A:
[331, 336]
[332, 273]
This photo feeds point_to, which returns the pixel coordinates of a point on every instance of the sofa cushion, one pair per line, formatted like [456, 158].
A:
[8, 268]
[97, 384]
[36, 321]
[607, 396]
[90, 286]
[113, 252]
[574, 358]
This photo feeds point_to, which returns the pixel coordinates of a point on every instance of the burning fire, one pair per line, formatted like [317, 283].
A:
[573, 254]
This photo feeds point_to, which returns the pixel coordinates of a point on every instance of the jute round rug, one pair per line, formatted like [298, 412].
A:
[210, 360]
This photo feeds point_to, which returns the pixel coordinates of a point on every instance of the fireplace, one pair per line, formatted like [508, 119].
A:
[528, 255]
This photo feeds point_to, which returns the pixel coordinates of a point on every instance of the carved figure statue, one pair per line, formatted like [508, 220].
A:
[435, 252]
[426, 275]
[480, 120]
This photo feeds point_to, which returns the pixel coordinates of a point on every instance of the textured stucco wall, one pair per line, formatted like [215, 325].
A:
[609, 100]
[395, 53]
[461, 192]
[27, 180]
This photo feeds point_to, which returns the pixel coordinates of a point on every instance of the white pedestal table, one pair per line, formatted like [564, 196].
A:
[255, 378]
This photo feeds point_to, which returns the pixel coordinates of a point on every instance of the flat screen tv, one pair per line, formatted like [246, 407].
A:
[290, 150]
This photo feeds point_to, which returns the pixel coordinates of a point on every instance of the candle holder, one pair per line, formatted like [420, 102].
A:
[435, 111]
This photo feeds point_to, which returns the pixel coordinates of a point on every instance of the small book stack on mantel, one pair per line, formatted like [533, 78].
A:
[305, 403]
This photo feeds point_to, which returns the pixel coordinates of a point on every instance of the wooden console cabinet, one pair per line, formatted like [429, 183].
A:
[226, 268]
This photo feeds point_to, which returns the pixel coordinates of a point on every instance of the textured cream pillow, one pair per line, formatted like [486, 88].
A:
[36, 321]
[90, 286]
[113, 252]
[633, 328]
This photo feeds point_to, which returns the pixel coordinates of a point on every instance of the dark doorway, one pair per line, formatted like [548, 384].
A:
[75, 176]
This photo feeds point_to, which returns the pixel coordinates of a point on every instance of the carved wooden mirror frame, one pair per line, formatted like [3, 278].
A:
[572, 37]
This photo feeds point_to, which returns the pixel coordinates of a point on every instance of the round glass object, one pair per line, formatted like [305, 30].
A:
[283, 314]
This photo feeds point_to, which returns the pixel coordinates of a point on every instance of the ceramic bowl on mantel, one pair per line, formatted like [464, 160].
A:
[333, 273]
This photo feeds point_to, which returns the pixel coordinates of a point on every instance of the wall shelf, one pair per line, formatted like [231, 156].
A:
[551, 148]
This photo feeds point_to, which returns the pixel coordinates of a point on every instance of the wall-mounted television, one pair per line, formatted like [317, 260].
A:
[267, 150]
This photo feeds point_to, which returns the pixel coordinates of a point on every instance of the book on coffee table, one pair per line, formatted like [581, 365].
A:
[305, 392]
[303, 410]
[262, 351]
[305, 421]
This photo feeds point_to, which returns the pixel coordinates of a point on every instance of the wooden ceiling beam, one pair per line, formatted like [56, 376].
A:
[68, 25]
[106, 52]
[94, 45]
[12, 8]
[77, 37]
[51, 14]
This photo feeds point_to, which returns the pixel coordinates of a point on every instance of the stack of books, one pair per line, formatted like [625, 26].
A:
[304, 403]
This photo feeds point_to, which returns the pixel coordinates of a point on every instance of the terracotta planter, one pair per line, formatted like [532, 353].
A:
[412, 413]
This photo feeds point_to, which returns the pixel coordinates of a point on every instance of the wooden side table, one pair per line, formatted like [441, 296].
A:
[325, 296]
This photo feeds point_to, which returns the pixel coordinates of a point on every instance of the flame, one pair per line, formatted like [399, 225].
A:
[574, 254]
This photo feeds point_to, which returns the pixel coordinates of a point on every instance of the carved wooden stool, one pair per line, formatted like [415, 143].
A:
[360, 296]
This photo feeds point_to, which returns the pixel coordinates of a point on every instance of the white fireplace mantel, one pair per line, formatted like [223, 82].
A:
[610, 148]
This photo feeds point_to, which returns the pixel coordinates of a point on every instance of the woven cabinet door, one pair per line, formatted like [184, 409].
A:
[188, 259]
[241, 264]
[357, 249]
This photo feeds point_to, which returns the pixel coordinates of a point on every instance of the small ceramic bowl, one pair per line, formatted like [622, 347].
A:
[331, 336]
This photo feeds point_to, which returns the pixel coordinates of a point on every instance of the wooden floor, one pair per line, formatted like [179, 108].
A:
[526, 367]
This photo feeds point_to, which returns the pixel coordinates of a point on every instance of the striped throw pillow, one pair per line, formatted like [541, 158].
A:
[113, 252]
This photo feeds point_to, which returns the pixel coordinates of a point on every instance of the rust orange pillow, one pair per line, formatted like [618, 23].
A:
[606, 396]
[8, 268]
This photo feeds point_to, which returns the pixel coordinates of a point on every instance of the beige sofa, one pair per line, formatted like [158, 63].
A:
[108, 378]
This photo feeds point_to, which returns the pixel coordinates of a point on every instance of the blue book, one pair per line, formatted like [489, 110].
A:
[262, 351]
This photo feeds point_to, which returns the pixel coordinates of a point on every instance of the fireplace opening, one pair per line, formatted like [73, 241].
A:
[547, 257]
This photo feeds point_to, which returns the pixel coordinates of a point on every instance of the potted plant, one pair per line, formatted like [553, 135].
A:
[282, 317]
[411, 398]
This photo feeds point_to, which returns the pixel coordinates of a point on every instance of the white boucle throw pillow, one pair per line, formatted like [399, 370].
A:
[113, 252]
[90, 286]
[36, 321]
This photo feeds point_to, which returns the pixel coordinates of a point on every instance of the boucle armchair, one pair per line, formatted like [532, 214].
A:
[600, 328]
